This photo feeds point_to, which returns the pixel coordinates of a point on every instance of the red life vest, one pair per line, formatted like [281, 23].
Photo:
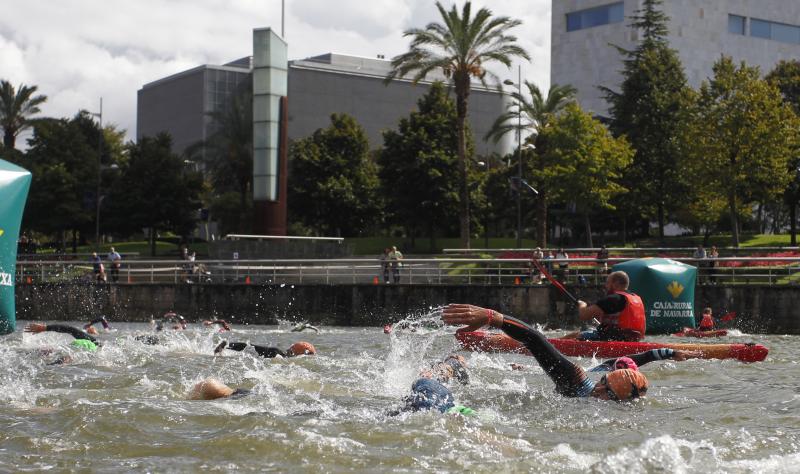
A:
[632, 317]
[707, 322]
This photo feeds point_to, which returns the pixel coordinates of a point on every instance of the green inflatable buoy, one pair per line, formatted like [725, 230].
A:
[667, 290]
[14, 185]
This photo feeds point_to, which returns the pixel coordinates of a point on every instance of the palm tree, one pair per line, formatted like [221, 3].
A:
[460, 48]
[16, 108]
[533, 116]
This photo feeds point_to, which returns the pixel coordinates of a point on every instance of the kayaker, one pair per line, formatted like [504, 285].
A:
[570, 379]
[620, 313]
[296, 349]
[707, 323]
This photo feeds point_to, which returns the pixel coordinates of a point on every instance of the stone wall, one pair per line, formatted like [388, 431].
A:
[759, 308]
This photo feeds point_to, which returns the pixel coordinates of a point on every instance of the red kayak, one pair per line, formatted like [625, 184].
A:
[481, 341]
[691, 332]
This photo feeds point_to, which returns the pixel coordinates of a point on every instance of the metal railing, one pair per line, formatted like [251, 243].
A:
[461, 271]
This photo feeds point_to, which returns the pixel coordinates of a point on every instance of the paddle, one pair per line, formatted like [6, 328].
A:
[555, 282]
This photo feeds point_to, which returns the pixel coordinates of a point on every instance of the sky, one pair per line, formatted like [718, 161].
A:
[77, 51]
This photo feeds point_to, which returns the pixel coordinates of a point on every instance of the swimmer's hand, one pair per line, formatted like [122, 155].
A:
[474, 317]
[517, 366]
[681, 356]
[581, 304]
[35, 328]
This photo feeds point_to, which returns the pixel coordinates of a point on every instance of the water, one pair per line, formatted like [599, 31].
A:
[124, 409]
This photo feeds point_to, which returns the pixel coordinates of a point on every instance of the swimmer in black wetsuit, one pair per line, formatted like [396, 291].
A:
[89, 327]
[296, 349]
[635, 361]
[223, 325]
[570, 379]
[429, 392]
[177, 321]
[82, 339]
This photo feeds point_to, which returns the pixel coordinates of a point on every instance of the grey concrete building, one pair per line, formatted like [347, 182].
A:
[759, 32]
[318, 86]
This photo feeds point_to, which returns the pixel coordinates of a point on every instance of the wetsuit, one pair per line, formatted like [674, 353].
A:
[263, 351]
[640, 359]
[74, 332]
[570, 379]
[430, 394]
[148, 339]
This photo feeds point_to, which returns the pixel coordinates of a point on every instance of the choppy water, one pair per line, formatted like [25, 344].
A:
[124, 409]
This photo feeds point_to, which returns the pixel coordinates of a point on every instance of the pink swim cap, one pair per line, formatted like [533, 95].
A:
[625, 363]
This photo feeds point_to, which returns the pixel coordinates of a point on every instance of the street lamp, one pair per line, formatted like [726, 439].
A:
[509, 82]
[99, 115]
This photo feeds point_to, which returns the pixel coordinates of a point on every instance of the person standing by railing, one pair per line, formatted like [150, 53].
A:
[699, 255]
[712, 255]
[394, 257]
[116, 262]
[563, 265]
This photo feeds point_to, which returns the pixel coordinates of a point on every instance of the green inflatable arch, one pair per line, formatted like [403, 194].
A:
[667, 290]
[14, 184]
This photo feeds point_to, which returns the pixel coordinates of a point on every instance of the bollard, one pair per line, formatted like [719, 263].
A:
[516, 281]
[247, 280]
[376, 281]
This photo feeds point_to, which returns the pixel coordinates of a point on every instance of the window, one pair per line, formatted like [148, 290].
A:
[736, 25]
[603, 15]
[775, 31]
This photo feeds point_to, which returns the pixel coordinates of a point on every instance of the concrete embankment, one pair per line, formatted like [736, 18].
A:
[766, 309]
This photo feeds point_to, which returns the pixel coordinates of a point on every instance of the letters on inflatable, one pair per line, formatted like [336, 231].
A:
[14, 184]
[667, 290]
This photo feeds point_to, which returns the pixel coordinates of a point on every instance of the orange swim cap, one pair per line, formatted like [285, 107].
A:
[626, 384]
[91, 330]
[302, 348]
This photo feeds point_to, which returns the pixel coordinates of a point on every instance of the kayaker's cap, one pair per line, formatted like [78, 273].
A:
[625, 363]
[625, 384]
[302, 348]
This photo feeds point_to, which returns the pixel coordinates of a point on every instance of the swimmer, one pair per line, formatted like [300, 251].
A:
[82, 339]
[570, 379]
[635, 361]
[178, 322]
[213, 389]
[296, 349]
[89, 327]
[303, 326]
[428, 392]
[223, 325]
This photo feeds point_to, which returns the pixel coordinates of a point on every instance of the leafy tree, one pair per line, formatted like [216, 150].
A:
[536, 115]
[460, 47]
[156, 190]
[333, 183]
[786, 77]
[740, 138]
[648, 110]
[416, 163]
[16, 109]
[584, 162]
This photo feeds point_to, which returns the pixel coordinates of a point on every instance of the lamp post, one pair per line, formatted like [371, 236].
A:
[519, 151]
[99, 115]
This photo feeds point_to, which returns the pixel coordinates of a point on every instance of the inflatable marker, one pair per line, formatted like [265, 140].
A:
[14, 184]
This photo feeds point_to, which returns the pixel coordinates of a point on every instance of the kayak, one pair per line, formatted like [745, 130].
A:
[691, 332]
[481, 341]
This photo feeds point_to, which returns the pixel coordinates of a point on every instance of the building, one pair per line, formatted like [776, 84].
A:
[181, 104]
[758, 32]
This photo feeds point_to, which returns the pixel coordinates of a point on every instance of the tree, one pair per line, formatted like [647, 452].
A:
[460, 47]
[16, 109]
[786, 77]
[536, 115]
[416, 163]
[740, 138]
[156, 190]
[648, 110]
[584, 162]
[333, 183]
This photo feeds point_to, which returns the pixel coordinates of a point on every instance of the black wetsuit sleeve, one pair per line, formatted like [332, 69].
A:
[612, 304]
[570, 379]
[641, 358]
[74, 332]
[263, 351]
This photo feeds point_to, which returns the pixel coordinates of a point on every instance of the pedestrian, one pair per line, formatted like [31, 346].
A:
[712, 255]
[395, 256]
[116, 262]
[563, 265]
[98, 268]
[602, 259]
[700, 256]
[385, 264]
[536, 275]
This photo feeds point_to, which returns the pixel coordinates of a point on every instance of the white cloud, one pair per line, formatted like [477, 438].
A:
[77, 51]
